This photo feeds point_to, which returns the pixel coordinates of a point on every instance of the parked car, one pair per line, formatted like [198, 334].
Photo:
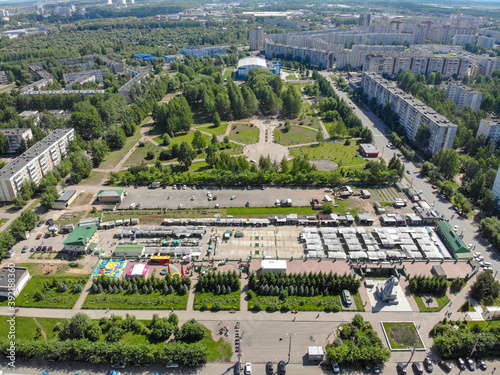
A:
[39, 236]
[269, 368]
[40, 223]
[32, 250]
[376, 369]
[482, 365]
[248, 369]
[247, 204]
[428, 365]
[237, 368]
[281, 368]
[50, 248]
[401, 368]
[25, 249]
[471, 364]
[39, 248]
[417, 367]
[233, 197]
[445, 366]
[118, 365]
[335, 367]
[172, 365]
[346, 296]
[44, 248]
[461, 364]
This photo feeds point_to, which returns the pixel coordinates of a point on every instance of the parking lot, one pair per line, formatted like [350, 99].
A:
[171, 199]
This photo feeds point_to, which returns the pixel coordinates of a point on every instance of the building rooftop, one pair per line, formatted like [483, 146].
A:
[15, 131]
[452, 238]
[110, 193]
[81, 235]
[19, 273]
[252, 61]
[33, 152]
[66, 196]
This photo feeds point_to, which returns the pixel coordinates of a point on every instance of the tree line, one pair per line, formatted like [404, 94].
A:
[84, 340]
[168, 285]
[218, 283]
[436, 285]
[296, 283]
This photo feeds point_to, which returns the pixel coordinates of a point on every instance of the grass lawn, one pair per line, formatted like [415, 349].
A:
[140, 153]
[229, 72]
[210, 128]
[402, 335]
[220, 350]
[333, 151]
[51, 298]
[26, 329]
[244, 133]
[205, 301]
[124, 301]
[359, 302]
[76, 216]
[291, 77]
[95, 178]
[266, 211]
[83, 199]
[467, 307]
[114, 157]
[199, 166]
[442, 302]
[317, 303]
[296, 136]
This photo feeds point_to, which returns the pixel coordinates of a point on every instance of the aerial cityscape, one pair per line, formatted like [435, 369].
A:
[249, 188]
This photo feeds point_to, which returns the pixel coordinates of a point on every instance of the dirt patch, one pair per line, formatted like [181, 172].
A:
[83, 199]
[325, 165]
[49, 269]
[77, 271]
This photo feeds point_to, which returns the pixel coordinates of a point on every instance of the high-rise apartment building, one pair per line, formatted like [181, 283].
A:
[496, 185]
[15, 136]
[489, 128]
[412, 113]
[34, 164]
[364, 19]
[463, 95]
[256, 39]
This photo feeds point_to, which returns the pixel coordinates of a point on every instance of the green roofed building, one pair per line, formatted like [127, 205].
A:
[81, 238]
[110, 196]
[128, 251]
[452, 241]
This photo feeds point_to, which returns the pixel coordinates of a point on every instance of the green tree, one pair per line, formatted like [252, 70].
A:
[485, 289]
[49, 197]
[76, 327]
[115, 137]
[190, 332]
[98, 149]
[4, 143]
[186, 155]
[198, 141]
[327, 208]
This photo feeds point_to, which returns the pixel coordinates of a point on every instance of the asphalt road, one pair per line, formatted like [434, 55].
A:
[467, 227]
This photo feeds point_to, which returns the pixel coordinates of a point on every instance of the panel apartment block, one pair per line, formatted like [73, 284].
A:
[34, 164]
[393, 63]
[463, 95]
[412, 112]
[490, 128]
[15, 136]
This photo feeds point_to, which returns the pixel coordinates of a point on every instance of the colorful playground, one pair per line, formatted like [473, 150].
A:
[110, 268]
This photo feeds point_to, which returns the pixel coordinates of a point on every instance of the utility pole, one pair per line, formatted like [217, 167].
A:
[414, 348]
[475, 344]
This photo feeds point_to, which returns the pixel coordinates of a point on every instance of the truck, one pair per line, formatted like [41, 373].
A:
[327, 198]
[315, 204]
[286, 202]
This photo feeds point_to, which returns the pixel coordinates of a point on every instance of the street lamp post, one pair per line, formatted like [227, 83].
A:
[290, 345]
[414, 348]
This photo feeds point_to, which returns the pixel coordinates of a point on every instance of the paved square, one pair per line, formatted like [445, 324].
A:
[379, 305]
